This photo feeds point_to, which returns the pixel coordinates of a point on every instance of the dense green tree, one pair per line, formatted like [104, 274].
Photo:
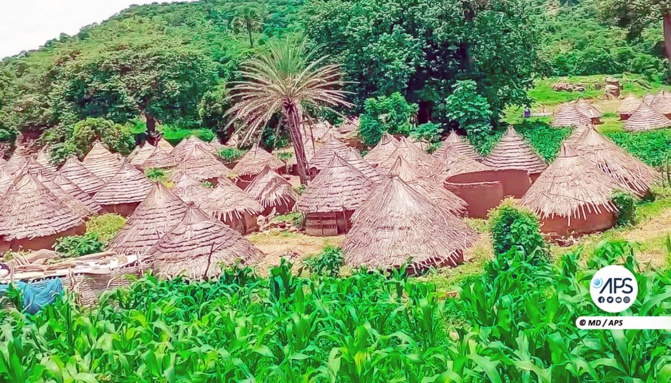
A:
[392, 114]
[469, 110]
[249, 18]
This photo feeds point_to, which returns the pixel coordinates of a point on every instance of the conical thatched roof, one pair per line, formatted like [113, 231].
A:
[460, 144]
[662, 103]
[202, 165]
[159, 159]
[324, 155]
[30, 210]
[629, 105]
[360, 164]
[227, 201]
[68, 199]
[102, 162]
[587, 109]
[76, 172]
[188, 188]
[568, 114]
[142, 154]
[133, 153]
[452, 162]
[576, 133]
[15, 163]
[628, 171]
[649, 98]
[129, 185]
[161, 211]
[382, 150]
[339, 187]
[514, 152]
[164, 145]
[646, 118]
[428, 187]
[419, 159]
[570, 187]
[185, 146]
[44, 159]
[198, 246]
[6, 180]
[270, 189]
[253, 162]
[397, 223]
[75, 191]
[34, 167]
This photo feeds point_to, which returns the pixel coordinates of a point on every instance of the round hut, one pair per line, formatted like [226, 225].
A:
[202, 165]
[452, 162]
[397, 225]
[649, 99]
[124, 191]
[359, 163]
[164, 145]
[572, 196]
[382, 150]
[628, 106]
[273, 192]
[662, 103]
[76, 172]
[324, 155]
[232, 206]
[589, 110]
[419, 159]
[34, 168]
[185, 146]
[514, 152]
[460, 144]
[188, 188]
[15, 163]
[102, 162]
[141, 155]
[646, 118]
[159, 159]
[66, 198]
[332, 197]
[568, 115]
[44, 159]
[6, 180]
[160, 211]
[198, 246]
[253, 162]
[72, 189]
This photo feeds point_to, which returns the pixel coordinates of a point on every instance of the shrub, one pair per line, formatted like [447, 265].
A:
[514, 228]
[174, 134]
[430, 132]
[230, 155]
[78, 245]
[626, 206]
[651, 147]
[392, 114]
[326, 263]
[105, 226]
[155, 174]
[78, 139]
[469, 109]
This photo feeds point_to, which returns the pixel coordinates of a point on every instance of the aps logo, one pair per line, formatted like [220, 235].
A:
[613, 289]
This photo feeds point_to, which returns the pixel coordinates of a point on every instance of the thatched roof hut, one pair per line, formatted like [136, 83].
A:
[419, 159]
[141, 156]
[75, 191]
[15, 163]
[460, 144]
[198, 246]
[568, 115]
[102, 162]
[662, 103]
[185, 146]
[76, 172]
[382, 150]
[188, 188]
[6, 180]
[44, 158]
[201, 165]
[253, 162]
[453, 162]
[229, 204]
[324, 155]
[164, 145]
[159, 159]
[572, 196]
[589, 110]
[359, 163]
[649, 99]
[646, 118]
[34, 167]
[332, 197]
[32, 217]
[514, 152]
[628, 106]
[68, 199]
[627, 170]
[160, 211]
[397, 224]
[273, 192]
[124, 191]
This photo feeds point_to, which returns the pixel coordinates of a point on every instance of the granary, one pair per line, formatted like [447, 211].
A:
[124, 191]
[188, 188]
[185, 146]
[75, 191]
[514, 152]
[202, 165]
[419, 159]
[359, 163]
[568, 115]
[102, 162]
[397, 225]
[572, 196]
[382, 150]
[273, 192]
[459, 144]
[159, 159]
[589, 110]
[646, 118]
[662, 103]
[141, 155]
[232, 206]
[76, 172]
[199, 246]
[324, 155]
[332, 197]
[628, 106]
[629, 172]
[253, 162]
[32, 217]
[159, 213]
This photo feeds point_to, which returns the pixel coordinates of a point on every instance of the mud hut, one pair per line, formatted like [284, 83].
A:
[589, 110]
[568, 115]
[398, 225]
[32, 217]
[188, 188]
[382, 150]
[646, 118]
[419, 159]
[202, 165]
[273, 192]
[141, 156]
[628, 106]
[324, 155]
[76, 172]
[66, 198]
[124, 191]
[75, 191]
[198, 246]
[253, 162]
[572, 196]
[460, 144]
[159, 159]
[359, 163]
[332, 197]
[232, 206]
[514, 152]
[102, 162]
[160, 211]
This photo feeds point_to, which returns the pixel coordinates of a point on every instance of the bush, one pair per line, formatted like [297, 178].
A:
[78, 245]
[544, 138]
[392, 114]
[430, 132]
[326, 263]
[469, 109]
[230, 155]
[105, 226]
[626, 206]
[155, 174]
[514, 228]
[174, 134]
[651, 147]
[79, 139]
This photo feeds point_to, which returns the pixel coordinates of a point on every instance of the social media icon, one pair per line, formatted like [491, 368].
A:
[609, 300]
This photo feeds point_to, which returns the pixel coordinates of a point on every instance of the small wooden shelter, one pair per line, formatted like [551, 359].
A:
[646, 118]
[76, 172]
[514, 152]
[141, 155]
[102, 162]
[628, 106]
[459, 144]
[202, 165]
[124, 191]
[382, 150]
[568, 115]
[232, 206]
[273, 192]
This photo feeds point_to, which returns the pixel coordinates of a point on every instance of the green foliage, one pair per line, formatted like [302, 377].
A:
[392, 114]
[155, 174]
[78, 245]
[326, 263]
[626, 209]
[651, 147]
[430, 132]
[469, 110]
[544, 138]
[516, 229]
[174, 134]
[230, 155]
[78, 140]
[105, 226]
[295, 218]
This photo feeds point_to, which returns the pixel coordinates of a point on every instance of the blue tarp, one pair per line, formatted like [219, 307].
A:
[37, 294]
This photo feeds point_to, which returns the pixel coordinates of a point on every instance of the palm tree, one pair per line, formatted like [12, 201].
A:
[285, 80]
[249, 18]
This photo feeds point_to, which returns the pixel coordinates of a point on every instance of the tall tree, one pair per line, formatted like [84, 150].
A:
[249, 18]
[286, 79]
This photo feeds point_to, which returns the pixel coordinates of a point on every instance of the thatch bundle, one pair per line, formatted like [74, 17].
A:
[628, 106]
[359, 163]
[124, 191]
[628, 171]
[460, 144]
[164, 145]
[453, 162]
[141, 156]
[198, 246]
[102, 162]
[159, 159]
[185, 146]
[324, 155]
[201, 165]
[514, 152]
[68, 200]
[382, 150]
[422, 161]
[253, 162]
[568, 115]
[160, 211]
[662, 103]
[646, 118]
[188, 188]
[72, 189]
[272, 191]
[229, 204]
[398, 224]
[76, 172]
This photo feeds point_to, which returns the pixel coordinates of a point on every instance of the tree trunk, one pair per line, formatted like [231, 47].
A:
[151, 129]
[667, 34]
[249, 33]
[293, 116]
